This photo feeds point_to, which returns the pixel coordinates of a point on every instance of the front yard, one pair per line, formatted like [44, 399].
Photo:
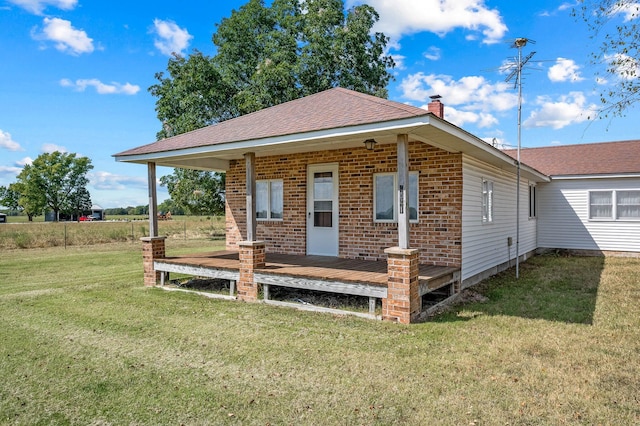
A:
[84, 343]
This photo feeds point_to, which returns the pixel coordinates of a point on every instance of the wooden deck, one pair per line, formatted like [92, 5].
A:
[348, 276]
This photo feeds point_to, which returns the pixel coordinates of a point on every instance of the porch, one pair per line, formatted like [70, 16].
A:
[318, 273]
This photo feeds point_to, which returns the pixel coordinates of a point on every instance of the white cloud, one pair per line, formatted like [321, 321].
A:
[630, 11]
[399, 61]
[568, 109]
[51, 147]
[564, 70]
[433, 53]
[474, 92]
[170, 37]
[7, 142]
[101, 88]
[460, 117]
[403, 17]
[111, 181]
[37, 6]
[627, 67]
[66, 38]
[10, 171]
[24, 161]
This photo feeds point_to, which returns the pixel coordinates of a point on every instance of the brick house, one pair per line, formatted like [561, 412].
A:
[344, 175]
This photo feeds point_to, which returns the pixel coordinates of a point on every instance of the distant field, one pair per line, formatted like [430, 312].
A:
[41, 234]
[83, 342]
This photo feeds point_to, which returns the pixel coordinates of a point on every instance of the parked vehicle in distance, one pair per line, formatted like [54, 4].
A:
[85, 218]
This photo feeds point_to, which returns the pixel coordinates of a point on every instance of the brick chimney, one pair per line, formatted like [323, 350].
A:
[436, 107]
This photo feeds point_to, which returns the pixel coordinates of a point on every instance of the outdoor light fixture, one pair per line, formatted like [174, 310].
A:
[370, 144]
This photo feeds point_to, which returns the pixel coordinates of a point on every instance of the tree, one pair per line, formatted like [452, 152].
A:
[169, 205]
[57, 180]
[614, 25]
[16, 198]
[9, 197]
[197, 192]
[80, 201]
[267, 55]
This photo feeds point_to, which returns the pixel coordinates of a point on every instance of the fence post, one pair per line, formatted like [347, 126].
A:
[65, 236]
[185, 229]
[132, 233]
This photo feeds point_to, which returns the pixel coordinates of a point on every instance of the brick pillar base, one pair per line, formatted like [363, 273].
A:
[403, 303]
[252, 256]
[152, 249]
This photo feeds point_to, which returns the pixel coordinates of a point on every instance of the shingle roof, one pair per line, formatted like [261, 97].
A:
[333, 108]
[583, 159]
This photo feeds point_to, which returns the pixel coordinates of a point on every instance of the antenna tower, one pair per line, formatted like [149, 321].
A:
[519, 43]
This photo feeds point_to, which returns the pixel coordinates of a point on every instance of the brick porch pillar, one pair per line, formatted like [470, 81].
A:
[152, 249]
[403, 303]
[252, 256]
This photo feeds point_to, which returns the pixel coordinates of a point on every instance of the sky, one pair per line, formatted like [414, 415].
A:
[74, 75]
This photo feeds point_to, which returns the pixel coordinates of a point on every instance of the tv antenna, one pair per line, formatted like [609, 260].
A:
[516, 74]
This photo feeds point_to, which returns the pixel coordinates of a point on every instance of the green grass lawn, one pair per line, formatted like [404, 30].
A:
[82, 342]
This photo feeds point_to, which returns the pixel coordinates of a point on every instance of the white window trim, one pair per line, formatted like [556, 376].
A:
[395, 197]
[614, 206]
[487, 209]
[533, 201]
[269, 218]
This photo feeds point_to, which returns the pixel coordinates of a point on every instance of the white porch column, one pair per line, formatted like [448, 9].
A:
[250, 161]
[403, 191]
[153, 200]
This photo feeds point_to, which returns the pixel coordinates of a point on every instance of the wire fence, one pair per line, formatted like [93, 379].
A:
[63, 234]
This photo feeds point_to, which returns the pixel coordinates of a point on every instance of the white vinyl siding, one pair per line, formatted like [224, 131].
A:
[484, 247]
[564, 215]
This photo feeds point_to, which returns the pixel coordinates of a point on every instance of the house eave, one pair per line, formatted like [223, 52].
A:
[447, 136]
[426, 128]
[597, 176]
[219, 155]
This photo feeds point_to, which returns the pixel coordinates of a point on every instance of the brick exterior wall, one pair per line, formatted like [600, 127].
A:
[437, 235]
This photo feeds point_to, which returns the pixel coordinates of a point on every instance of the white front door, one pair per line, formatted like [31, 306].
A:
[322, 209]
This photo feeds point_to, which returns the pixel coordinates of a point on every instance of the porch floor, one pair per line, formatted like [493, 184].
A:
[320, 268]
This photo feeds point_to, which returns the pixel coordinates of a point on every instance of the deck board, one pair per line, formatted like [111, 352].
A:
[308, 267]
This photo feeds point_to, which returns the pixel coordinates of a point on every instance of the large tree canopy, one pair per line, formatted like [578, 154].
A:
[614, 26]
[55, 180]
[267, 55]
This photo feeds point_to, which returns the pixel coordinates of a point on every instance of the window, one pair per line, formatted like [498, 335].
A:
[628, 204]
[601, 205]
[614, 205]
[323, 199]
[487, 201]
[269, 199]
[533, 204]
[385, 197]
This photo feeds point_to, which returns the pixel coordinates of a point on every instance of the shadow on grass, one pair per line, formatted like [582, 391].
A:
[550, 287]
